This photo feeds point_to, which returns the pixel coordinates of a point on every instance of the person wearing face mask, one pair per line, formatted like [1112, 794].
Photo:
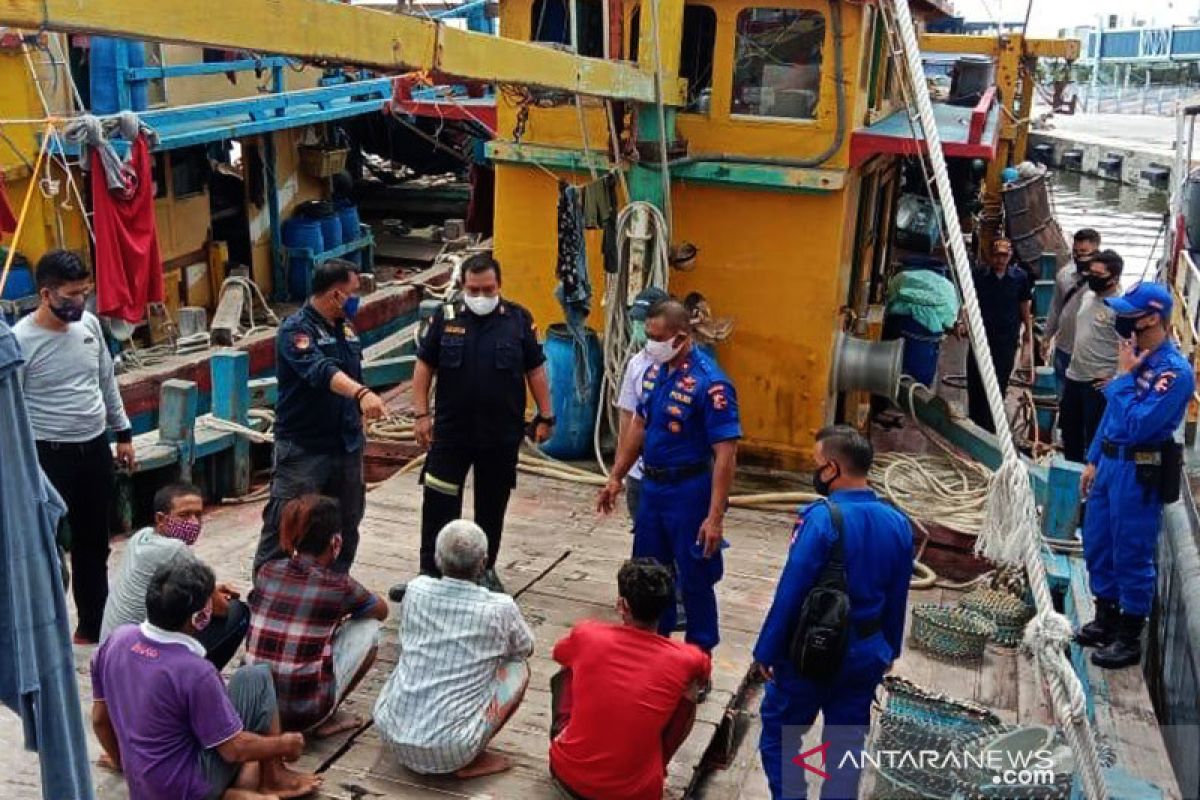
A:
[165, 718]
[1134, 466]
[315, 627]
[484, 351]
[877, 550]
[1094, 358]
[73, 401]
[1069, 288]
[321, 408]
[686, 429]
[178, 508]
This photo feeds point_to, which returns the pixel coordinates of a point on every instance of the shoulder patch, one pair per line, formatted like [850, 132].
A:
[1165, 381]
[301, 341]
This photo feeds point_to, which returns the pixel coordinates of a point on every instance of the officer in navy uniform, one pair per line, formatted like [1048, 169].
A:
[877, 543]
[1133, 466]
[686, 429]
[484, 351]
[322, 403]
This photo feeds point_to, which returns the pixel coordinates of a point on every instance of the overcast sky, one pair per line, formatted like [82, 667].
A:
[1049, 16]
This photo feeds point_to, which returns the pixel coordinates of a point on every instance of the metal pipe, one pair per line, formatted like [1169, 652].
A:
[839, 135]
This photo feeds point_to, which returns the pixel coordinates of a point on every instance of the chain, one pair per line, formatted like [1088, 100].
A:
[522, 121]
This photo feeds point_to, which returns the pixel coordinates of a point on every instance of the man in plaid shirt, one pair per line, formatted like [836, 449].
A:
[317, 629]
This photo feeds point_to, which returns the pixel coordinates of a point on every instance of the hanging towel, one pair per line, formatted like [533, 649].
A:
[574, 290]
[128, 264]
[90, 132]
[600, 212]
[8, 220]
[37, 669]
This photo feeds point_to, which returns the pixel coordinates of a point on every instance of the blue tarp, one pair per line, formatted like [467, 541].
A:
[37, 671]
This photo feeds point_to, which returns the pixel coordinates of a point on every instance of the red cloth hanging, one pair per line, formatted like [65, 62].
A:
[8, 220]
[128, 264]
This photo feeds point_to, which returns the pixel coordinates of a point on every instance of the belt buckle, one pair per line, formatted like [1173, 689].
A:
[1147, 458]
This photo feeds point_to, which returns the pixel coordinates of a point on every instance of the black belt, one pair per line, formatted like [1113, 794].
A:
[675, 474]
[1142, 454]
[868, 627]
[79, 447]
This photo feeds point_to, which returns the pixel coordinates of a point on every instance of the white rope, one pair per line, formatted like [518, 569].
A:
[1011, 532]
[251, 291]
[618, 335]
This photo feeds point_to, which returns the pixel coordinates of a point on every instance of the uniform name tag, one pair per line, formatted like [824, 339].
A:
[457, 330]
[680, 397]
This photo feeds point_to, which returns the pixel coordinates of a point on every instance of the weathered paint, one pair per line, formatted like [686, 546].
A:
[231, 401]
[178, 408]
[317, 30]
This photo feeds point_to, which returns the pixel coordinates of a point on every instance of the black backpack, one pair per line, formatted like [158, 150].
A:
[822, 633]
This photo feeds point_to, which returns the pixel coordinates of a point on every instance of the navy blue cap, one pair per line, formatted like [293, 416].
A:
[645, 299]
[1144, 297]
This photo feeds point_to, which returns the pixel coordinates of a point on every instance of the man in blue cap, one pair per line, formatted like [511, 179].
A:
[686, 428]
[1133, 467]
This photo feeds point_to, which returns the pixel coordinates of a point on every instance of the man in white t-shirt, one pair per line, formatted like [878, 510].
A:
[631, 387]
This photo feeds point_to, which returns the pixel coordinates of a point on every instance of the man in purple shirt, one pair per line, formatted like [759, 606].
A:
[165, 719]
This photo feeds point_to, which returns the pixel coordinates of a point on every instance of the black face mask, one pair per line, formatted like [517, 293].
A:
[1081, 264]
[1128, 326]
[824, 487]
[67, 310]
[1098, 284]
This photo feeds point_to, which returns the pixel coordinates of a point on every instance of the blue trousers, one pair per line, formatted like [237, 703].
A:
[1120, 537]
[794, 703]
[1062, 360]
[668, 521]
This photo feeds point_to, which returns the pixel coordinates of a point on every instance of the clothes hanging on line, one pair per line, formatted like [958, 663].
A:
[574, 292]
[128, 263]
[8, 220]
[600, 212]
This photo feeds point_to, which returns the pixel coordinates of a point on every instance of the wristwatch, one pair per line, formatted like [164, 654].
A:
[538, 419]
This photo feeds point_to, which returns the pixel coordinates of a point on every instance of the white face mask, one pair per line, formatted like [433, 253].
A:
[481, 305]
[662, 352]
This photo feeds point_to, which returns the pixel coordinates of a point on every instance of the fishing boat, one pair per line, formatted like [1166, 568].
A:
[768, 160]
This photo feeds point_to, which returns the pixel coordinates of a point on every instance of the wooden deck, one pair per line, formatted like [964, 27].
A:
[560, 559]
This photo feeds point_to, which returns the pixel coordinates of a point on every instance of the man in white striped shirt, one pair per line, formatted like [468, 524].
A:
[462, 670]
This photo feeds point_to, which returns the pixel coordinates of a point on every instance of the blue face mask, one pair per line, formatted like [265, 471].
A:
[350, 307]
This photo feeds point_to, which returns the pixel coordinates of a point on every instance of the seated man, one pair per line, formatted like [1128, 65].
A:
[178, 508]
[163, 716]
[462, 670]
[626, 697]
[316, 628]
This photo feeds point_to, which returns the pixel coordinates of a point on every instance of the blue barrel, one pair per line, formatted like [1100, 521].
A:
[348, 216]
[576, 417]
[922, 347]
[20, 277]
[301, 232]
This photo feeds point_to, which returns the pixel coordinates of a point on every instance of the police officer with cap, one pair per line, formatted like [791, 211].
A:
[686, 428]
[1134, 466]
[876, 551]
[484, 351]
[322, 403]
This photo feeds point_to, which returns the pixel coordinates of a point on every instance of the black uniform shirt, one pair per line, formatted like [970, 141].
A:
[481, 364]
[309, 350]
[1000, 298]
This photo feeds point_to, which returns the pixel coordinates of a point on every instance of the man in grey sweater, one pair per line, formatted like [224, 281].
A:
[1069, 286]
[72, 398]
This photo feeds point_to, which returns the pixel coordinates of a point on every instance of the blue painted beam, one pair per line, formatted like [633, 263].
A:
[264, 392]
[231, 401]
[213, 68]
[274, 218]
[177, 406]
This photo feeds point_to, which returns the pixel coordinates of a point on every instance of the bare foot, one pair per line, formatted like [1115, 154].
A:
[104, 762]
[284, 783]
[486, 763]
[246, 794]
[338, 723]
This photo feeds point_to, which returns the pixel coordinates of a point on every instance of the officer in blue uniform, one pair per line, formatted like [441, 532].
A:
[322, 403]
[878, 548]
[1134, 465]
[686, 429]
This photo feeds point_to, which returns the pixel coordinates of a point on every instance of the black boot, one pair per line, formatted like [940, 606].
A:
[1103, 629]
[1126, 649]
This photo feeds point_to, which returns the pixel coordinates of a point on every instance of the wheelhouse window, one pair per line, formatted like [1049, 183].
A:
[695, 52]
[549, 23]
[777, 63]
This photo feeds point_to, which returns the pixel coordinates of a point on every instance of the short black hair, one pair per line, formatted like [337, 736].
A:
[164, 498]
[333, 272]
[648, 588]
[481, 262]
[177, 590]
[674, 313]
[1110, 259]
[1088, 235]
[58, 267]
[848, 447]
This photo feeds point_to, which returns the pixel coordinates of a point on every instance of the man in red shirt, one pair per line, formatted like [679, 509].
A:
[626, 697]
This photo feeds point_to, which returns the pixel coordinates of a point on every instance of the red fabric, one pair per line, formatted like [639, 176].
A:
[626, 685]
[128, 264]
[8, 220]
